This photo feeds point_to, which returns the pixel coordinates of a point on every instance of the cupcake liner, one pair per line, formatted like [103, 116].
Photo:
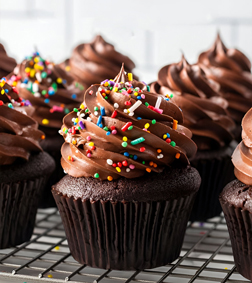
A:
[18, 207]
[239, 224]
[215, 174]
[124, 235]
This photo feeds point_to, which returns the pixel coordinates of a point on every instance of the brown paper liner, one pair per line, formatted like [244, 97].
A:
[239, 224]
[18, 208]
[215, 174]
[124, 236]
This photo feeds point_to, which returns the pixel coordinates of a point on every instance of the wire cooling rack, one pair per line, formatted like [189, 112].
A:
[206, 257]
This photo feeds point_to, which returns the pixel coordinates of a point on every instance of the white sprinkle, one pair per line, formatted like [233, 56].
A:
[37, 94]
[89, 119]
[23, 85]
[82, 115]
[78, 114]
[96, 113]
[76, 151]
[116, 105]
[131, 114]
[125, 110]
[38, 76]
[158, 102]
[109, 161]
[135, 106]
[127, 170]
[73, 119]
[49, 80]
[35, 87]
[16, 70]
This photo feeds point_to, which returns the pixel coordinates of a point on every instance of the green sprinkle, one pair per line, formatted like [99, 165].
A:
[146, 104]
[10, 105]
[43, 75]
[54, 86]
[130, 127]
[120, 91]
[172, 143]
[86, 110]
[137, 141]
[43, 92]
[171, 95]
[79, 128]
[105, 128]
[143, 162]
[66, 111]
[75, 110]
[153, 121]
[106, 97]
[124, 144]
[96, 175]
[96, 108]
[111, 88]
[148, 88]
[130, 155]
[66, 131]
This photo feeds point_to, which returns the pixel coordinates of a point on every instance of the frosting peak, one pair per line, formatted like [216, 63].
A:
[7, 64]
[242, 156]
[121, 129]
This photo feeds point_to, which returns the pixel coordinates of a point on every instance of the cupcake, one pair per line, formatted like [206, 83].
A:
[206, 116]
[128, 194]
[232, 70]
[93, 62]
[7, 64]
[24, 168]
[53, 93]
[236, 201]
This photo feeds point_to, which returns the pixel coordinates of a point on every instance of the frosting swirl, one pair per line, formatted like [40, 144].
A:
[242, 156]
[93, 62]
[19, 134]
[231, 69]
[121, 129]
[7, 64]
[50, 89]
[203, 109]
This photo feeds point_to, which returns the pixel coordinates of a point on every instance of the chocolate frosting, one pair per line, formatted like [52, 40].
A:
[51, 90]
[7, 64]
[231, 69]
[93, 62]
[122, 129]
[19, 134]
[203, 109]
[242, 156]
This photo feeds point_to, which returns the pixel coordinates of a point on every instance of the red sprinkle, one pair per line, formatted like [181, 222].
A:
[127, 103]
[119, 164]
[142, 149]
[129, 90]
[114, 114]
[112, 128]
[93, 147]
[73, 131]
[125, 127]
[114, 165]
[103, 91]
[168, 140]
[1, 102]
[125, 163]
[88, 151]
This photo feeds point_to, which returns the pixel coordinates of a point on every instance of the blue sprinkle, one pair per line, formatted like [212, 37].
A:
[99, 121]
[168, 135]
[126, 154]
[47, 100]
[51, 92]
[74, 96]
[75, 123]
[25, 81]
[100, 125]
[64, 81]
[108, 133]
[135, 157]
[139, 97]
[4, 79]
[167, 99]
[102, 111]
[139, 118]
[6, 90]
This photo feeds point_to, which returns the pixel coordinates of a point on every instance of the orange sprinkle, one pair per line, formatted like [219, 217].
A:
[159, 150]
[154, 165]
[177, 155]
[148, 170]
[175, 124]
[110, 178]
[151, 163]
[43, 137]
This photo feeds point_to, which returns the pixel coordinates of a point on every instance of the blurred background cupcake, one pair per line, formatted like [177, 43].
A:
[205, 115]
[7, 64]
[53, 93]
[24, 168]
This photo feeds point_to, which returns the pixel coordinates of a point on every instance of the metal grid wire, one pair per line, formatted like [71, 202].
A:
[206, 256]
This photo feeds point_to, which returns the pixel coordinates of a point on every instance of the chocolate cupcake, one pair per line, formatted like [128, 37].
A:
[232, 70]
[206, 116]
[24, 168]
[128, 194]
[236, 201]
[7, 64]
[53, 93]
[94, 62]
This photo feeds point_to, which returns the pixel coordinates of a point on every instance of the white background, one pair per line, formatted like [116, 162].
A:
[153, 33]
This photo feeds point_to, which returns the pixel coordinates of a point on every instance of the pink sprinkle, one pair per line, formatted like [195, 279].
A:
[91, 92]
[145, 129]
[57, 108]
[117, 84]
[125, 92]
[114, 132]
[132, 166]
[89, 155]
[70, 130]
[88, 138]
[160, 111]
[143, 96]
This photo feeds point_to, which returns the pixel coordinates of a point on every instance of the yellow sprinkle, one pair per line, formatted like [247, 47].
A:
[32, 73]
[68, 68]
[82, 106]
[146, 125]
[148, 170]
[2, 91]
[164, 136]
[115, 89]
[118, 169]
[74, 142]
[136, 93]
[2, 84]
[76, 120]
[36, 59]
[110, 178]
[226, 268]
[91, 144]
[106, 84]
[175, 124]
[177, 155]
[57, 248]
[49, 276]
[69, 157]
[125, 139]
[45, 121]
[14, 83]
[59, 80]
[130, 76]
[27, 70]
